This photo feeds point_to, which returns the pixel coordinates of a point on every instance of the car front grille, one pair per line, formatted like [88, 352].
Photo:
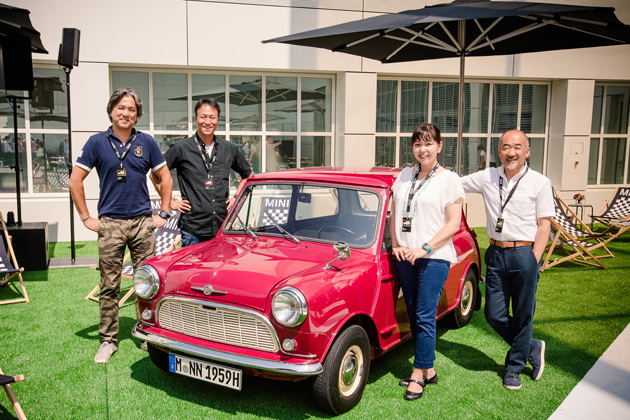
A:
[218, 323]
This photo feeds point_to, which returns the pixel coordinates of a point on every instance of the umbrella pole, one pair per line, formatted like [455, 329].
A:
[460, 105]
[69, 163]
[17, 162]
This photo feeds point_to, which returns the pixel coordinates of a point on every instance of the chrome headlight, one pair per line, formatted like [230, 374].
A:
[289, 307]
[146, 281]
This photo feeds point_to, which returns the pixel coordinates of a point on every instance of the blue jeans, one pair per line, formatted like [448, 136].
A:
[422, 285]
[190, 239]
[512, 275]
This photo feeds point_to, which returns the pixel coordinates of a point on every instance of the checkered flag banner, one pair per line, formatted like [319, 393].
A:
[275, 207]
[164, 236]
[619, 207]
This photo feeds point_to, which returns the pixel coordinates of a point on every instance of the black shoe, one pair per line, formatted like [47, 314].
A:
[537, 359]
[414, 395]
[433, 381]
[511, 380]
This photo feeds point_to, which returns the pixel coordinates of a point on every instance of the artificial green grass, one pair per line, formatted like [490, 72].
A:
[52, 341]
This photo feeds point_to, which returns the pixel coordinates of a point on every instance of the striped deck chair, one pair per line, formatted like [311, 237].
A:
[166, 238]
[64, 178]
[615, 213]
[5, 382]
[577, 243]
[53, 181]
[9, 267]
[39, 181]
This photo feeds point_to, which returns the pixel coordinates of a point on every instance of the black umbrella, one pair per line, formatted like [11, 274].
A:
[15, 22]
[469, 28]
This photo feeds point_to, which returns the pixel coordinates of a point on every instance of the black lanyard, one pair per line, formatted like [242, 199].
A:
[413, 191]
[204, 155]
[126, 148]
[511, 192]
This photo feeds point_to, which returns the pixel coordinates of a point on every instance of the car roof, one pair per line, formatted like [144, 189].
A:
[377, 176]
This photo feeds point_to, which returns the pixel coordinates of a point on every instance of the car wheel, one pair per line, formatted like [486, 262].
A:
[346, 368]
[462, 315]
[158, 357]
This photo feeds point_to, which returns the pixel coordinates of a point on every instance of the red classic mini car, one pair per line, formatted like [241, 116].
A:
[299, 283]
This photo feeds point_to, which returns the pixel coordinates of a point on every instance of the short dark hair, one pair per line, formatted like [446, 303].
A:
[426, 132]
[118, 95]
[208, 101]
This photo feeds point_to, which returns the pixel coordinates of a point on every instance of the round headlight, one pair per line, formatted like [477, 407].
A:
[146, 281]
[289, 307]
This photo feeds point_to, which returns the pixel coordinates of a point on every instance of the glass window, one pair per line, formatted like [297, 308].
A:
[250, 146]
[6, 112]
[504, 107]
[281, 97]
[245, 103]
[165, 141]
[316, 89]
[493, 158]
[474, 156]
[613, 158]
[209, 86]
[536, 154]
[534, 109]
[616, 119]
[445, 102]
[170, 100]
[49, 106]
[476, 106]
[315, 151]
[448, 155]
[593, 160]
[7, 175]
[138, 81]
[405, 153]
[386, 92]
[385, 152]
[598, 101]
[281, 152]
[414, 105]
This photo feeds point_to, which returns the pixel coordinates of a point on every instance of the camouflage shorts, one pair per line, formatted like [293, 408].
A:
[114, 235]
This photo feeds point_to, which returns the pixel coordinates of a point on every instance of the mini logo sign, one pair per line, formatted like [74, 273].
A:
[137, 150]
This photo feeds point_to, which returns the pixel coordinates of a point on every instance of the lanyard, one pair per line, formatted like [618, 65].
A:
[511, 192]
[126, 148]
[204, 155]
[412, 190]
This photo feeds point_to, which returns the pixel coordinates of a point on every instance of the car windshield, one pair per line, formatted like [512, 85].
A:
[307, 212]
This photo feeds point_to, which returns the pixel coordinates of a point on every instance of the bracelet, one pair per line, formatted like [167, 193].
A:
[83, 219]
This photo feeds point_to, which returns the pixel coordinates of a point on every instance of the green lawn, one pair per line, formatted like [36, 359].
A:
[52, 341]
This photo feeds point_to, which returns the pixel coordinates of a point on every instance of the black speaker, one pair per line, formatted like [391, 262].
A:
[69, 48]
[16, 64]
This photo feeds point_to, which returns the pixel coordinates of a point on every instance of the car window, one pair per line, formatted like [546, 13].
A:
[309, 212]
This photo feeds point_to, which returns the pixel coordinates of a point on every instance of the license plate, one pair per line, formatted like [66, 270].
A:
[209, 372]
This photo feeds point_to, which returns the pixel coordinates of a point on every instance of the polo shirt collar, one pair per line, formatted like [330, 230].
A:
[110, 133]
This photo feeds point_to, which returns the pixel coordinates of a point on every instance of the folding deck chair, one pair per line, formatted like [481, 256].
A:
[64, 178]
[8, 268]
[578, 244]
[6, 382]
[166, 238]
[615, 213]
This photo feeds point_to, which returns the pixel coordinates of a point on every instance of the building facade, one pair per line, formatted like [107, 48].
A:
[288, 106]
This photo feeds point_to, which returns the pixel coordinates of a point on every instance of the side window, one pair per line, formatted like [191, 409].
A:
[387, 238]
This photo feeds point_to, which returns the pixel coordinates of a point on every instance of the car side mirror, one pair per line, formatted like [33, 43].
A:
[342, 252]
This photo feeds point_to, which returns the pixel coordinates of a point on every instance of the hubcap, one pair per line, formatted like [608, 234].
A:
[350, 371]
[466, 298]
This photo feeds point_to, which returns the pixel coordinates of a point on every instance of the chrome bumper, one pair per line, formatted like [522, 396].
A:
[235, 359]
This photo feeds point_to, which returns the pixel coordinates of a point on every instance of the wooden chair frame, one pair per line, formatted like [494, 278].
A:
[14, 402]
[580, 252]
[10, 276]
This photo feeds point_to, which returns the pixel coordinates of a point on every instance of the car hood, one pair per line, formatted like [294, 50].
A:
[247, 269]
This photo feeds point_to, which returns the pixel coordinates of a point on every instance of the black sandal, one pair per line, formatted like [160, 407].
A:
[433, 381]
[414, 395]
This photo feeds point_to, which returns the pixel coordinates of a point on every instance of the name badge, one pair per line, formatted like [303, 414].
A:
[499, 227]
[406, 224]
[209, 184]
[122, 175]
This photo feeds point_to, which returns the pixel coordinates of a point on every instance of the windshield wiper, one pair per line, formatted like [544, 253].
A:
[281, 229]
[246, 228]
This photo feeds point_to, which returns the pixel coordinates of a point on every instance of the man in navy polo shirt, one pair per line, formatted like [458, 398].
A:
[122, 157]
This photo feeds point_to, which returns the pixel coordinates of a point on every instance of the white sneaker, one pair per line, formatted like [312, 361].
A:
[105, 351]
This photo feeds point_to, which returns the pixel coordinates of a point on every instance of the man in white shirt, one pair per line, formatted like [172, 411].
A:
[519, 206]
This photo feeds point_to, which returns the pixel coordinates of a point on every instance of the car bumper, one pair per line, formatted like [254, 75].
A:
[230, 358]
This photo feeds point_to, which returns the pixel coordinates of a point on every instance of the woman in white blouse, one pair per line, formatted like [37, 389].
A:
[426, 213]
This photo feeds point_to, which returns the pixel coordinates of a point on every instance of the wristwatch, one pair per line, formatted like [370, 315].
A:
[427, 247]
[164, 215]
